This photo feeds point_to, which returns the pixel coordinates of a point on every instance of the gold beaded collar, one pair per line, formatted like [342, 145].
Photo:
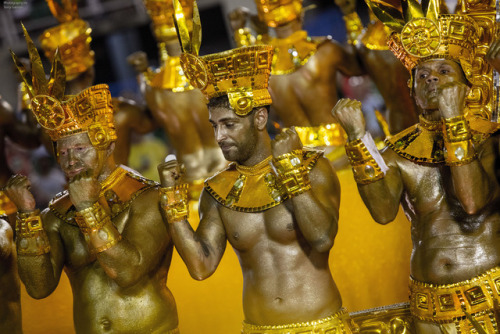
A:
[422, 142]
[254, 188]
[292, 52]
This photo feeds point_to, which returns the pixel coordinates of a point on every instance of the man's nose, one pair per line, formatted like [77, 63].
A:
[432, 77]
[71, 157]
[220, 135]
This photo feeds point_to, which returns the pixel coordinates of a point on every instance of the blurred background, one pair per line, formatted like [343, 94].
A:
[121, 27]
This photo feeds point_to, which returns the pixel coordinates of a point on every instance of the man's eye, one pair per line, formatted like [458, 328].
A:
[422, 75]
[444, 71]
[229, 125]
[80, 149]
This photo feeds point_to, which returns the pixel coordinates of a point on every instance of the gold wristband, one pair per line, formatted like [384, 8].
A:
[97, 228]
[365, 169]
[458, 141]
[292, 175]
[353, 26]
[174, 202]
[31, 238]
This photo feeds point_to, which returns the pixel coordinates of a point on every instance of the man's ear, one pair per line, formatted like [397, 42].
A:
[260, 118]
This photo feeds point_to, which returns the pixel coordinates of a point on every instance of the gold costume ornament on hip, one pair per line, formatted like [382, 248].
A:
[71, 37]
[466, 304]
[242, 74]
[91, 111]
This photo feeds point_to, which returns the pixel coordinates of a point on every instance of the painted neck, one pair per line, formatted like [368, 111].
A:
[288, 29]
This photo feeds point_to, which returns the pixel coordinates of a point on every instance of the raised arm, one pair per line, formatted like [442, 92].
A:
[315, 202]
[472, 185]
[379, 182]
[135, 241]
[201, 250]
[40, 251]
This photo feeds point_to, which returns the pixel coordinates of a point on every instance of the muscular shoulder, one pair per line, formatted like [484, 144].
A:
[331, 51]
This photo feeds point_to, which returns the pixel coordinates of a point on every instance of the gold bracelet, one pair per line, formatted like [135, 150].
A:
[174, 202]
[31, 238]
[458, 141]
[97, 228]
[292, 175]
[353, 26]
[365, 169]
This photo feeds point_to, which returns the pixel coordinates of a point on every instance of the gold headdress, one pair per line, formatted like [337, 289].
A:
[72, 37]
[162, 15]
[170, 75]
[89, 112]
[242, 74]
[278, 12]
[422, 33]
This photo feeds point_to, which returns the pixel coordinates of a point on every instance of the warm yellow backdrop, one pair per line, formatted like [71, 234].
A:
[370, 264]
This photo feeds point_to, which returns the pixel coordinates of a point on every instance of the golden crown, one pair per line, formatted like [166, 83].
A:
[72, 37]
[422, 33]
[89, 112]
[276, 13]
[161, 13]
[242, 74]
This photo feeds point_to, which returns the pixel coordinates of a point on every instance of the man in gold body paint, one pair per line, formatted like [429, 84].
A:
[175, 105]
[276, 204]
[441, 170]
[103, 231]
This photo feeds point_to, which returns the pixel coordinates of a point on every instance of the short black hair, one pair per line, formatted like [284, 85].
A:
[223, 102]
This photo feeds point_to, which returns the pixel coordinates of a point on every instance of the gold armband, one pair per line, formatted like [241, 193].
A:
[174, 202]
[292, 175]
[31, 238]
[353, 26]
[366, 170]
[97, 228]
[457, 141]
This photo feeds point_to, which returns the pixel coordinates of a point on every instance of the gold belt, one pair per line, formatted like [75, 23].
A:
[460, 302]
[323, 135]
[339, 323]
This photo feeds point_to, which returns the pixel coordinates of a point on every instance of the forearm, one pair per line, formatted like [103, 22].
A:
[198, 256]
[38, 274]
[317, 224]
[378, 186]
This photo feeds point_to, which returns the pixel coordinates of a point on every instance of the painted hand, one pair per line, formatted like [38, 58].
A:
[348, 114]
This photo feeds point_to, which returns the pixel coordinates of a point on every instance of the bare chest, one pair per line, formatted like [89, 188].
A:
[248, 230]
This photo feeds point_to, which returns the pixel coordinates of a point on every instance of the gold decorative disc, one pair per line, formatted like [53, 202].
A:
[195, 70]
[420, 37]
[48, 111]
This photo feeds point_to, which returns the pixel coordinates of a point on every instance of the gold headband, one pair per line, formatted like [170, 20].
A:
[276, 13]
[89, 112]
[242, 74]
[72, 37]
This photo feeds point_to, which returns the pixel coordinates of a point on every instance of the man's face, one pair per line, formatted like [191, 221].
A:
[430, 76]
[76, 155]
[236, 135]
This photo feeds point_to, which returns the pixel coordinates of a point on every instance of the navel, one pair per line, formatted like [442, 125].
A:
[105, 324]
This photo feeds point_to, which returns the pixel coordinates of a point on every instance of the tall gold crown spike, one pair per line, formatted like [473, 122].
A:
[189, 44]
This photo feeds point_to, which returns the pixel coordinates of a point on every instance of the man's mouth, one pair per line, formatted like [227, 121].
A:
[74, 172]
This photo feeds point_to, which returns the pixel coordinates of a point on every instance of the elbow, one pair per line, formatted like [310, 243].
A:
[324, 245]
[126, 278]
[200, 274]
[37, 292]
[471, 207]
[384, 217]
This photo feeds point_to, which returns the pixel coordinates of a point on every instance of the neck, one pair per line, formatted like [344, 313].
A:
[431, 115]
[261, 151]
[108, 168]
[288, 29]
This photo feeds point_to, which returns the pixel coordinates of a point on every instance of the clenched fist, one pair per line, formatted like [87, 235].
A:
[139, 61]
[285, 142]
[170, 172]
[348, 114]
[18, 190]
[451, 99]
[84, 190]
